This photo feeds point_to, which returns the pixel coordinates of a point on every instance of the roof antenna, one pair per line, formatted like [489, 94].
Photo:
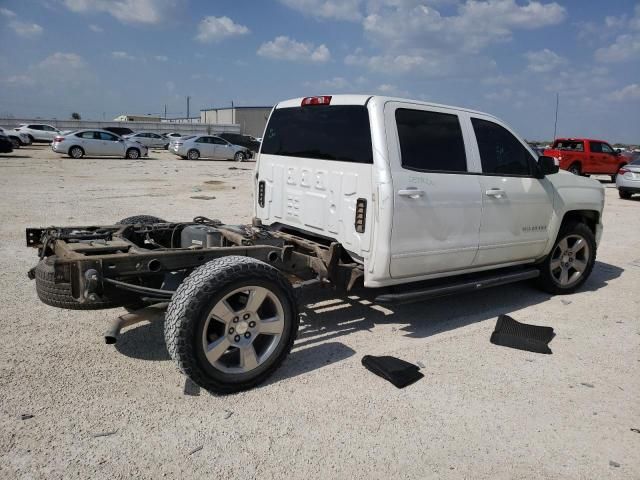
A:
[555, 126]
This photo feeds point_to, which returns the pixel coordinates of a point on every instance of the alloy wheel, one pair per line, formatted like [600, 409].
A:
[243, 329]
[569, 260]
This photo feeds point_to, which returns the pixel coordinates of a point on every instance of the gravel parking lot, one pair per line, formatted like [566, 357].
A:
[482, 411]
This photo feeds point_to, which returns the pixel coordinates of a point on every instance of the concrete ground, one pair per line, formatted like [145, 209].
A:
[482, 411]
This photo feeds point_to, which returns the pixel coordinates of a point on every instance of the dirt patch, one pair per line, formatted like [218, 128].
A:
[203, 197]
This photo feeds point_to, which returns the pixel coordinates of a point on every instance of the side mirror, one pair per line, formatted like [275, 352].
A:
[547, 165]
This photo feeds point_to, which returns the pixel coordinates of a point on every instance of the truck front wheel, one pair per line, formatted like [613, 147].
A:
[571, 260]
[575, 169]
[231, 323]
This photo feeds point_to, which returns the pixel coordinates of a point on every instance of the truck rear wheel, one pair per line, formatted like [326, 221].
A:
[231, 323]
[575, 169]
[570, 261]
[59, 294]
[140, 219]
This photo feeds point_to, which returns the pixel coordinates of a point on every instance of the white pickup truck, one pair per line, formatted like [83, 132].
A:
[408, 199]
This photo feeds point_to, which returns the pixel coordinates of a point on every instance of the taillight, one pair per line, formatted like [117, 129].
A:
[322, 100]
[361, 215]
[58, 139]
[261, 193]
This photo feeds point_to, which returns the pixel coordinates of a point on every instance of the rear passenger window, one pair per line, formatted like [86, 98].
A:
[430, 141]
[500, 152]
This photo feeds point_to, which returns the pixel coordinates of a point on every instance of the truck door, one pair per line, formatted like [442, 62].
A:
[516, 206]
[437, 203]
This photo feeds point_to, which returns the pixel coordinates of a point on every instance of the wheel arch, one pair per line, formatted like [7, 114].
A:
[74, 146]
[591, 218]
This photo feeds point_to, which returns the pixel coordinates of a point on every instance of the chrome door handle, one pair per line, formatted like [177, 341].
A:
[495, 192]
[411, 193]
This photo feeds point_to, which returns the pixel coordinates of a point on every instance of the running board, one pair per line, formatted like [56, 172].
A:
[463, 286]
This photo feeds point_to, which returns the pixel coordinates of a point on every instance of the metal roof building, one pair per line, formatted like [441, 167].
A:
[252, 120]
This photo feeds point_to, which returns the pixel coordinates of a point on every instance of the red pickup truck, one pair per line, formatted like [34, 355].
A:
[583, 156]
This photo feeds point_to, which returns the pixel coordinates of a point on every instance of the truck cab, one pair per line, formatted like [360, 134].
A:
[413, 190]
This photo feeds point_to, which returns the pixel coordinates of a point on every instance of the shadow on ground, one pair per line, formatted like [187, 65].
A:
[327, 316]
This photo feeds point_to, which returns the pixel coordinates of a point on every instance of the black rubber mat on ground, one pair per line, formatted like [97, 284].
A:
[397, 371]
[533, 338]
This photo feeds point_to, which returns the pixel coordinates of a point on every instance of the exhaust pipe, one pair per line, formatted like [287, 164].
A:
[150, 313]
[123, 321]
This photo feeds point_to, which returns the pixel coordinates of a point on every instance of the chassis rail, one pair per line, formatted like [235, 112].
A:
[146, 260]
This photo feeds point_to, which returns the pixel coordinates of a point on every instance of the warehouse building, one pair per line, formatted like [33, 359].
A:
[252, 120]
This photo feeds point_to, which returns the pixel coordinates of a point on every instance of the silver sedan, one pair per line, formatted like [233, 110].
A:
[208, 146]
[628, 178]
[97, 142]
[148, 139]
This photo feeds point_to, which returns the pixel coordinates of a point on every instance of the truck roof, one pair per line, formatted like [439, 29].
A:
[363, 99]
[575, 139]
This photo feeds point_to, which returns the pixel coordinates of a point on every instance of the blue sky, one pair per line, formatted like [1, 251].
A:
[507, 57]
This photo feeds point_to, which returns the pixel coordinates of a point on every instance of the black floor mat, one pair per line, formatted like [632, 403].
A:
[397, 371]
[533, 338]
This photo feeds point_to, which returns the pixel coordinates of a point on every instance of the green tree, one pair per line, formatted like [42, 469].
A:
[75, 116]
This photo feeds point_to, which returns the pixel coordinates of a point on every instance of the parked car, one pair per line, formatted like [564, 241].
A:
[243, 140]
[408, 199]
[18, 139]
[148, 139]
[583, 156]
[39, 132]
[628, 179]
[6, 146]
[121, 131]
[209, 146]
[97, 143]
[172, 135]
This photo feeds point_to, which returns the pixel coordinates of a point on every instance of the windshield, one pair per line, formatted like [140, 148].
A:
[339, 132]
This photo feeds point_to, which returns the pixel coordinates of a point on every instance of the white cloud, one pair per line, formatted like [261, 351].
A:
[96, 28]
[61, 60]
[332, 84]
[122, 56]
[161, 58]
[403, 23]
[392, 90]
[544, 61]
[285, 48]
[127, 11]
[625, 48]
[5, 12]
[214, 29]
[327, 9]
[25, 29]
[19, 80]
[432, 65]
[630, 92]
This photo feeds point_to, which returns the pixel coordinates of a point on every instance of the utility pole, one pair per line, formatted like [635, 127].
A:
[188, 99]
[165, 111]
[555, 126]
[233, 113]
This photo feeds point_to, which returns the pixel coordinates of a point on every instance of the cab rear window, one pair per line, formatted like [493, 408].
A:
[338, 132]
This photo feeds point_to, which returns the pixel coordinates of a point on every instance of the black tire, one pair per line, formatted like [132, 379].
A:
[76, 152]
[31, 138]
[193, 154]
[188, 313]
[15, 142]
[575, 168]
[547, 281]
[59, 294]
[240, 157]
[132, 153]
[624, 194]
[144, 219]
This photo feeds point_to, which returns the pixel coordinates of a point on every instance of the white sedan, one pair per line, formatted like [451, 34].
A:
[148, 139]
